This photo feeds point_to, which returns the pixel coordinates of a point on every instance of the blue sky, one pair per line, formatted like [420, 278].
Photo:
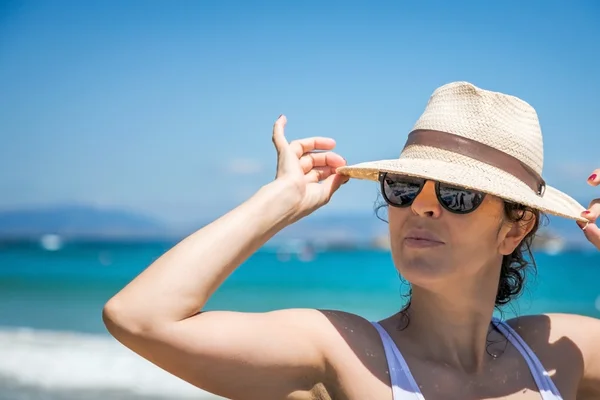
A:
[166, 107]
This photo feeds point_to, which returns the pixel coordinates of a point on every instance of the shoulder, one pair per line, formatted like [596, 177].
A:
[567, 339]
[567, 344]
[351, 347]
[332, 329]
[554, 329]
[324, 319]
[350, 338]
[346, 327]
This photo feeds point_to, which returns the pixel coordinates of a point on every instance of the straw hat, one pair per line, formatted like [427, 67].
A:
[481, 140]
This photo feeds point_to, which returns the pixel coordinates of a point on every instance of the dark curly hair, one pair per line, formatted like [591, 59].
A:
[516, 265]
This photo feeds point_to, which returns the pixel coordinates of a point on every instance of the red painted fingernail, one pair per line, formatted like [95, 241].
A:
[592, 177]
[586, 212]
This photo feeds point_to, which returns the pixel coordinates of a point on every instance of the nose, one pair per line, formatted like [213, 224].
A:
[426, 204]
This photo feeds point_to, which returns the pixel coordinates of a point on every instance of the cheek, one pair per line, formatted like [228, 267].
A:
[473, 238]
[396, 219]
[477, 234]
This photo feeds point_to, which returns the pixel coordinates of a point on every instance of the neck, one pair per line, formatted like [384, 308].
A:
[453, 325]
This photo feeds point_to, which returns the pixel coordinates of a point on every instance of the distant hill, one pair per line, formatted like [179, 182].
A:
[93, 223]
[80, 222]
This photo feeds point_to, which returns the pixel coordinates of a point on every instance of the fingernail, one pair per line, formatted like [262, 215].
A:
[592, 177]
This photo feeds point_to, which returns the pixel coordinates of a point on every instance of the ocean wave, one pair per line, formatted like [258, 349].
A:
[75, 361]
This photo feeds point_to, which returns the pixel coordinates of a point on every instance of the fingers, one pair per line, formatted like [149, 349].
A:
[326, 159]
[287, 162]
[594, 178]
[303, 146]
[317, 174]
[311, 160]
[591, 214]
[593, 211]
[278, 134]
[591, 230]
[331, 185]
[592, 233]
[330, 181]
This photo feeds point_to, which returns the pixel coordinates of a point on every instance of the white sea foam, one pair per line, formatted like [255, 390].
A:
[66, 361]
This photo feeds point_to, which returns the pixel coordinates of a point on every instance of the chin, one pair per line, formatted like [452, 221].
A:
[422, 270]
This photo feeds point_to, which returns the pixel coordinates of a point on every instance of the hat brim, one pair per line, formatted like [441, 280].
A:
[474, 175]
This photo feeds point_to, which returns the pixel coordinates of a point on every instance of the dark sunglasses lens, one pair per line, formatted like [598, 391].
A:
[400, 191]
[459, 200]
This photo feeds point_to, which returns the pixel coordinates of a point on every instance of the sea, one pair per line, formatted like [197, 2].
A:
[54, 346]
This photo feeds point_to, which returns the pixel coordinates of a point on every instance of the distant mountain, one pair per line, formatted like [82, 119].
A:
[87, 222]
[79, 221]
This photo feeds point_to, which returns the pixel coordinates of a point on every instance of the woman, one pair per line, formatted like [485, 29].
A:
[465, 198]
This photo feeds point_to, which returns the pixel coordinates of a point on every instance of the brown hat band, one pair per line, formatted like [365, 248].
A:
[480, 152]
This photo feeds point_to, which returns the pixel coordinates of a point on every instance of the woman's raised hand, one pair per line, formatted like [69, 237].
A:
[307, 167]
[592, 231]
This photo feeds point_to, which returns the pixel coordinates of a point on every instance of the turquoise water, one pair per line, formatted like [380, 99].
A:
[51, 302]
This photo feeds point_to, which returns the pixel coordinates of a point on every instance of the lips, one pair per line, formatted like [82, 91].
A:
[423, 235]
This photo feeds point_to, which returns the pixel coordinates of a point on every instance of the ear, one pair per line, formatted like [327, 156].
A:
[513, 233]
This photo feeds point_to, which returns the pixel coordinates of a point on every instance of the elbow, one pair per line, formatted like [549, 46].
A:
[113, 317]
[120, 320]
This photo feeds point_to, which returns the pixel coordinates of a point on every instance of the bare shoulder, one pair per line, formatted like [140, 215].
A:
[356, 358]
[338, 335]
[568, 346]
[347, 331]
[325, 324]
[560, 340]
[553, 329]
[353, 353]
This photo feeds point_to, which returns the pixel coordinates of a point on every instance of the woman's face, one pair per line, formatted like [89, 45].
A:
[432, 246]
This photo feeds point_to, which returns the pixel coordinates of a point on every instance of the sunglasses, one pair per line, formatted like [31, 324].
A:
[402, 190]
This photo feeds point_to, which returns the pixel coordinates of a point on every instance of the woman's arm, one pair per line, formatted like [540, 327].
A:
[232, 354]
[587, 330]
